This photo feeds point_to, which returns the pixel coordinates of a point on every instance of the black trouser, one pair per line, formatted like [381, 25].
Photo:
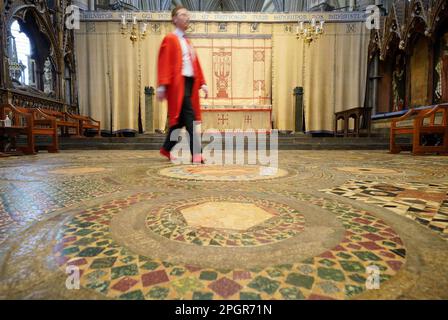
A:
[186, 119]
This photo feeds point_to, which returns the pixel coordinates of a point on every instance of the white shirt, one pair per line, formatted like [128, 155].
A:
[187, 66]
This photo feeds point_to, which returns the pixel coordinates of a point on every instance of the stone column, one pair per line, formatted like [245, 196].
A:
[149, 108]
[376, 77]
[298, 93]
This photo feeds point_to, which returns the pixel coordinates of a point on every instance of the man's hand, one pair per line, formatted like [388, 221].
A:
[205, 89]
[161, 93]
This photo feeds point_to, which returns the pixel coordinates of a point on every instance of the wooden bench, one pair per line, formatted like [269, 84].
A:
[31, 123]
[86, 122]
[23, 124]
[64, 121]
[361, 117]
[420, 124]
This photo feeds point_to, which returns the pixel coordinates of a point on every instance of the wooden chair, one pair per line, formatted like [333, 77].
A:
[86, 122]
[361, 117]
[420, 123]
[37, 124]
[65, 121]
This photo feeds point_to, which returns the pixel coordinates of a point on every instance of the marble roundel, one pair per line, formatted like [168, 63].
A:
[118, 256]
[222, 173]
[368, 171]
[226, 222]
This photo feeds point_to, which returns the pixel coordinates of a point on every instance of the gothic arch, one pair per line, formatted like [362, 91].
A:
[416, 24]
[392, 34]
[43, 22]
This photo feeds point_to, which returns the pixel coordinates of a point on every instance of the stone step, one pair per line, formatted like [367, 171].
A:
[285, 142]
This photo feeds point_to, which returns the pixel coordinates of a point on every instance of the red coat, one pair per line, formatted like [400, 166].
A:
[170, 75]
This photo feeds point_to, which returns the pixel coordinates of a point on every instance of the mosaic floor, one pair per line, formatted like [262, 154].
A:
[326, 225]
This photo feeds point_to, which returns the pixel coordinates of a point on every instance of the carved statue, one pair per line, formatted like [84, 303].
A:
[444, 68]
[438, 81]
[48, 77]
[398, 86]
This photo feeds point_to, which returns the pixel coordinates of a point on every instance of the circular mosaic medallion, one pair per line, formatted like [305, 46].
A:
[110, 264]
[361, 170]
[225, 221]
[223, 173]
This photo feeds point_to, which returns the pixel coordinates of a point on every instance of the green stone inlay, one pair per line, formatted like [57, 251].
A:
[95, 275]
[370, 229]
[366, 256]
[208, 275]
[85, 224]
[357, 278]
[128, 259]
[85, 241]
[274, 273]
[327, 262]
[352, 266]
[184, 285]
[110, 252]
[330, 274]
[291, 294]
[351, 290]
[264, 284]
[177, 271]
[343, 255]
[167, 264]
[133, 295]
[70, 250]
[158, 293]
[90, 252]
[249, 296]
[129, 270]
[329, 287]
[150, 265]
[202, 295]
[300, 280]
[83, 232]
[390, 244]
[101, 287]
[103, 263]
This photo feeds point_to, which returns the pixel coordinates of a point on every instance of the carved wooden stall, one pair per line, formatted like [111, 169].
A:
[37, 68]
[408, 61]
[411, 49]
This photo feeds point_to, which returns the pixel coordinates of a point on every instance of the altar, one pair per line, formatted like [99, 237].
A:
[255, 117]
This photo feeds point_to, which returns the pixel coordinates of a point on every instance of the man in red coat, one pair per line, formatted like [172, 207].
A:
[179, 79]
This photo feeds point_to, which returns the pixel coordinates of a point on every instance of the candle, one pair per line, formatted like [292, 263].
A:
[301, 25]
[123, 20]
[144, 27]
[135, 20]
[322, 25]
[313, 22]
